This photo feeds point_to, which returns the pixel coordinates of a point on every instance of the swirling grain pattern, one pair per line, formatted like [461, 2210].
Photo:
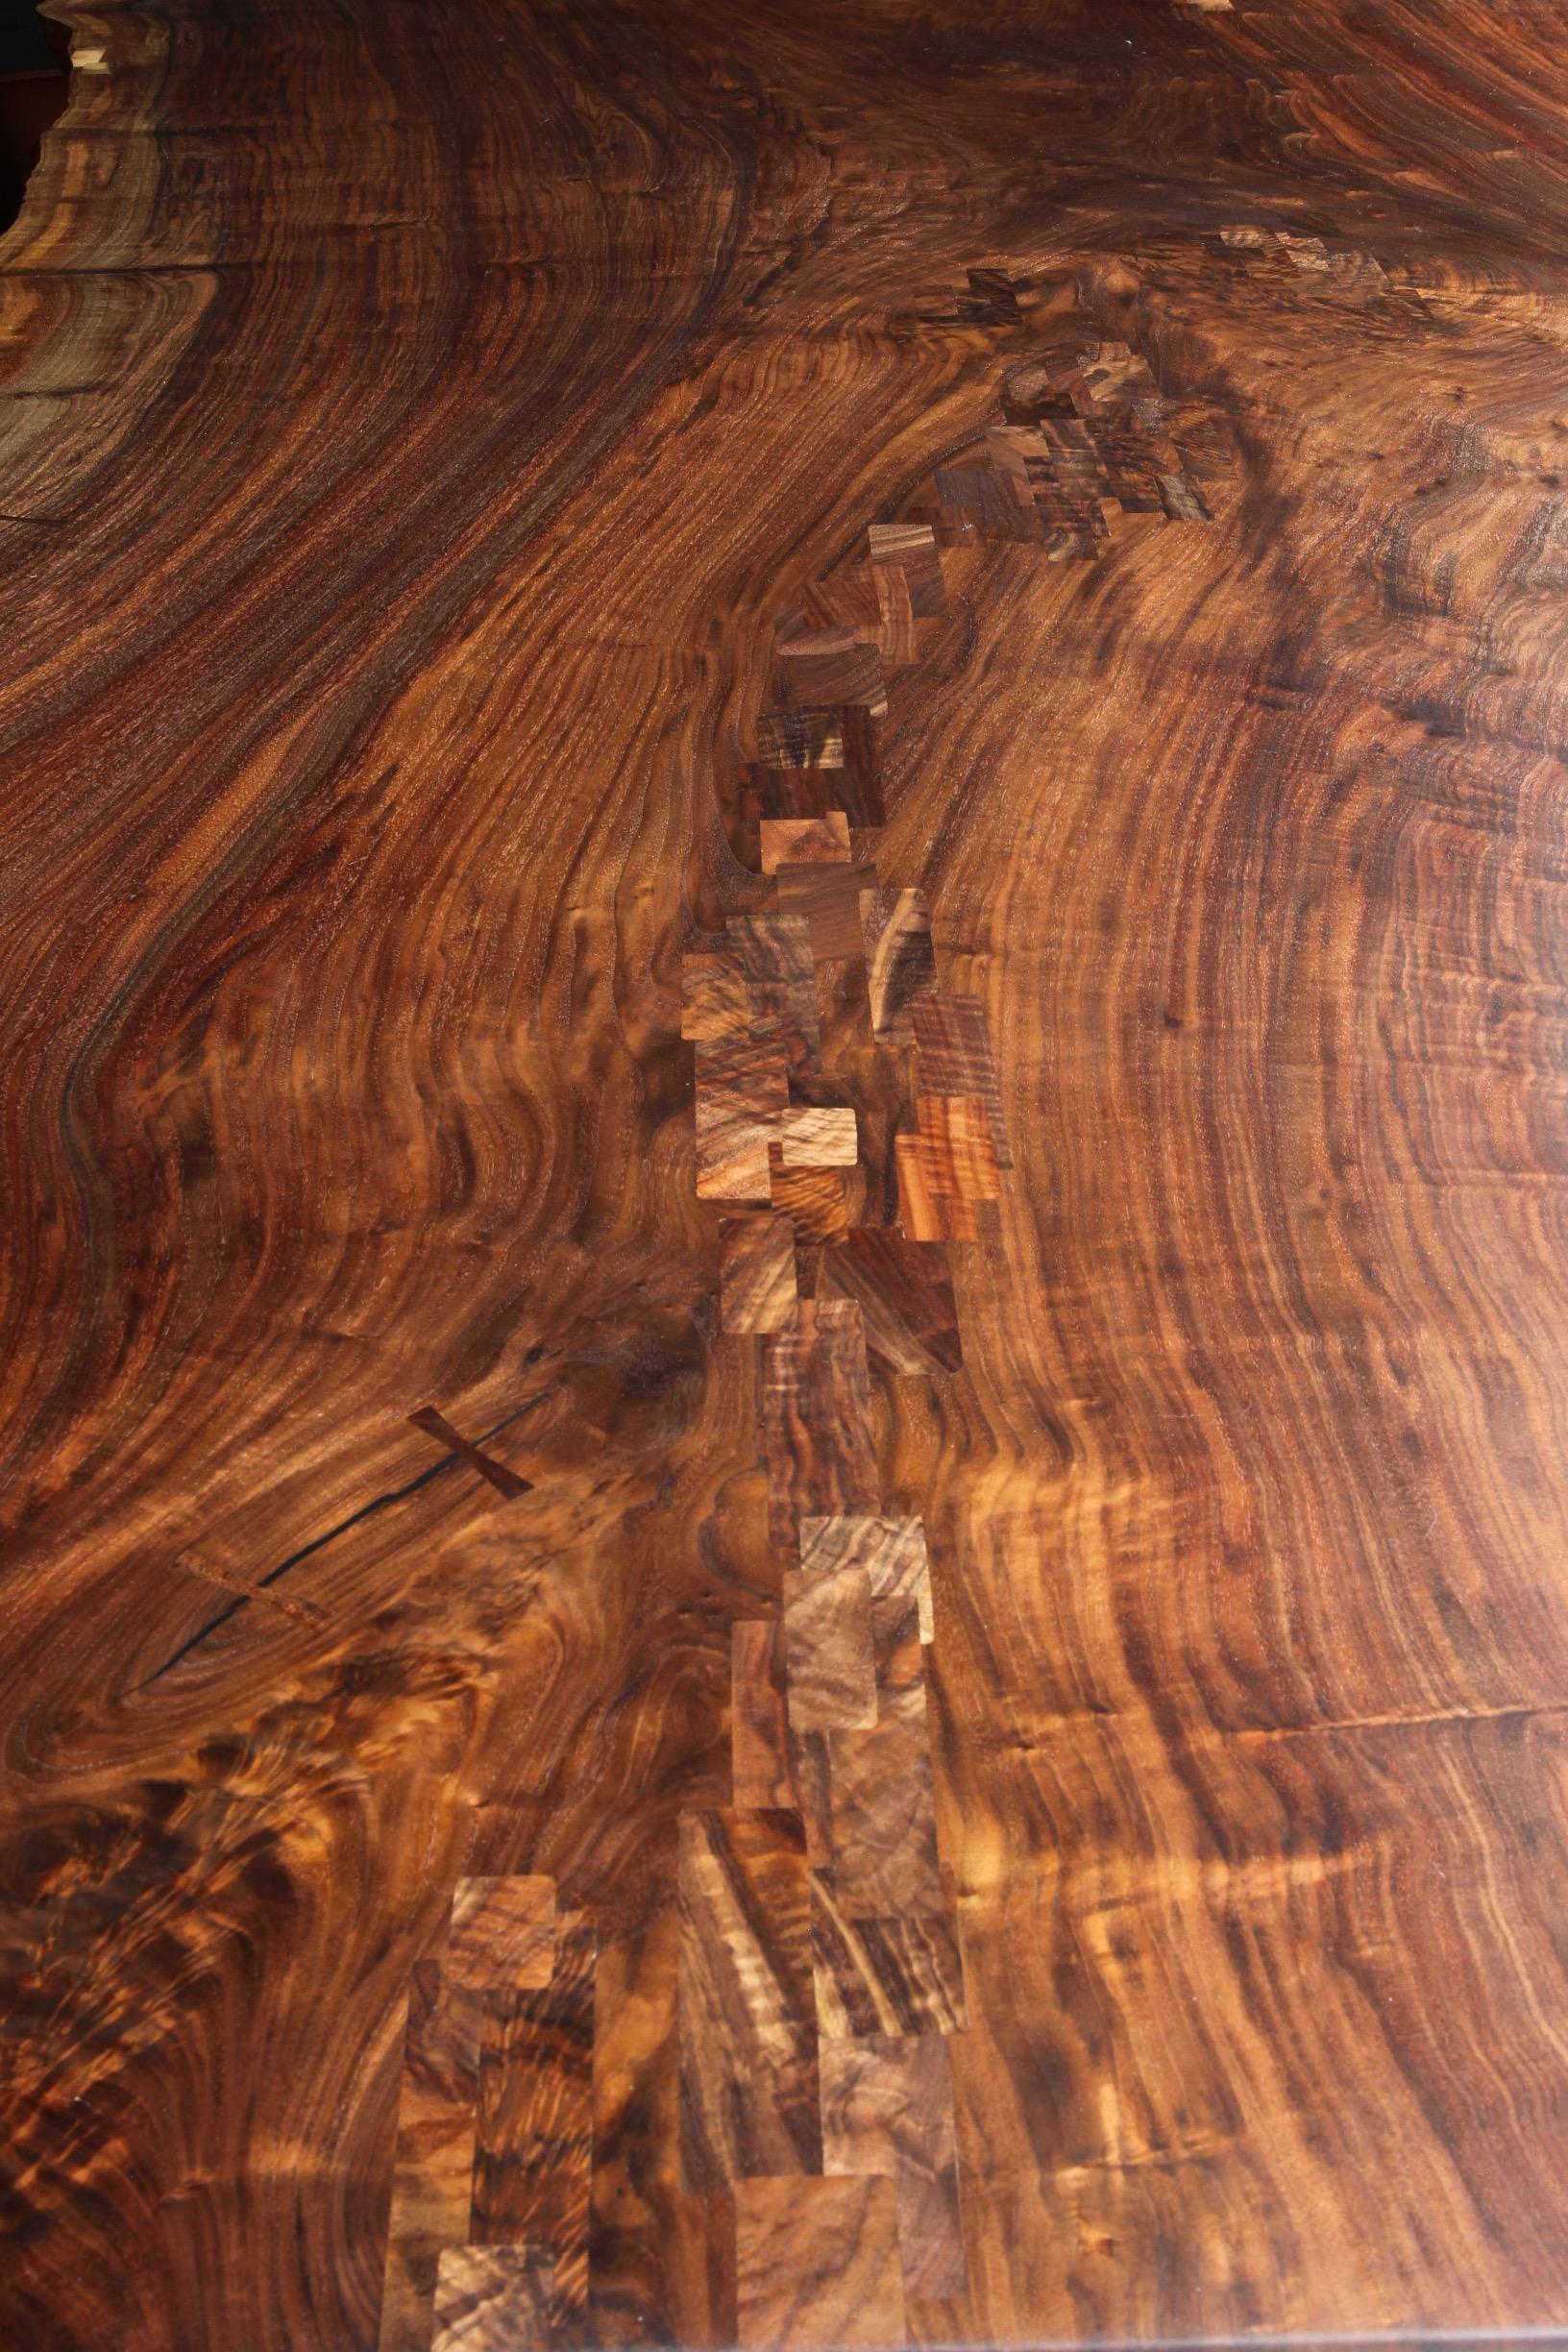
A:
[783, 1014]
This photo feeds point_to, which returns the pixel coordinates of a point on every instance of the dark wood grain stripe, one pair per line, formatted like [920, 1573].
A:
[761, 1767]
[904, 1290]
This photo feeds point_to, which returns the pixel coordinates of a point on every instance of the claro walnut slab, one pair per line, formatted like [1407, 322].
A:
[784, 1114]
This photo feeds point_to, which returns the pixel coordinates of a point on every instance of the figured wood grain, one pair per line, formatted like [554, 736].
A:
[467, 480]
[819, 2265]
[503, 1934]
[885, 1859]
[762, 1744]
[830, 1649]
[902, 1975]
[813, 1200]
[534, 2137]
[438, 2120]
[890, 1552]
[757, 1281]
[749, 2095]
[887, 2112]
[818, 1445]
[904, 1291]
[954, 1058]
[897, 932]
[491, 2299]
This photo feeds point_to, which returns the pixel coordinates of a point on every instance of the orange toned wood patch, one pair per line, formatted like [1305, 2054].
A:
[818, 2266]
[502, 1931]
[756, 1273]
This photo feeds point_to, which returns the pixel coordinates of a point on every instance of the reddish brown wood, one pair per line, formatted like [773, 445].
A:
[781, 1028]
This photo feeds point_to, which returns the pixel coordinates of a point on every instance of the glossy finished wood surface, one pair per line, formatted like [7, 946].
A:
[784, 981]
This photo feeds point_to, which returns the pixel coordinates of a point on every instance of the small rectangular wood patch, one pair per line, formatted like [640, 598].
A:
[830, 1649]
[713, 995]
[897, 1656]
[750, 2101]
[762, 1777]
[946, 1169]
[770, 794]
[913, 547]
[904, 1290]
[894, 1976]
[953, 1043]
[873, 601]
[827, 665]
[818, 2266]
[958, 1129]
[892, 1551]
[860, 786]
[818, 1444]
[756, 1273]
[811, 1769]
[531, 2172]
[928, 1209]
[502, 1931]
[822, 840]
[741, 1093]
[827, 898]
[781, 978]
[433, 2164]
[813, 1138]
[800, 739]
[812, 1198]
[493, 2298]
[888, 2110]
[885, 1859]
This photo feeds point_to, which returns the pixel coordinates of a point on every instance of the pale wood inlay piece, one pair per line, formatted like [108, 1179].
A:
[891, 1550]
[494, 2299]
[757, 1288]
[829, 1642]
[817, 1139]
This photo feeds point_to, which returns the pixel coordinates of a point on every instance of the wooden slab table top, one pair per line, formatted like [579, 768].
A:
[784, 1111]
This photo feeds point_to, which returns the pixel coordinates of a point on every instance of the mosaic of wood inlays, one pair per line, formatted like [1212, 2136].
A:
[849, 1119]
[488, 2236]
[1085, 441]
[848, 1138]
[1305, 261]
